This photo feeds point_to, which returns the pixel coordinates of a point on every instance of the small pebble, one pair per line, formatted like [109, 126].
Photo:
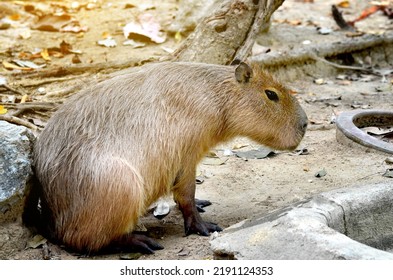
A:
[319, 81]
[324, 31]
[41, 90]
[320, 173]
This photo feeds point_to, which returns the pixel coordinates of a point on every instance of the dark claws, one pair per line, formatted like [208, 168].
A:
[203, 228]
[134, 242]
[200, 204]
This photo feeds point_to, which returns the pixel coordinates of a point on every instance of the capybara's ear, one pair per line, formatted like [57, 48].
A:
[243, 73]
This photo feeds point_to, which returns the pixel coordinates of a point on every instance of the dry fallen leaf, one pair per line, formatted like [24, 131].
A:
[65, 48]
[366, 13]
[2, 110]
[10, 66]
[4, 25]
[344, 4]
[28, 56]
[105, 35]
[178, 36]
[29, 64]
[76, 59]
[73, 27]
[45, 55]
[108, 42]
[133, 44]
[14, 17]
[52, 22]
[146, 28]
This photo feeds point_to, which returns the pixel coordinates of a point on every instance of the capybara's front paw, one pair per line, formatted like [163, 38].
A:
[134, 242]
[201, 227]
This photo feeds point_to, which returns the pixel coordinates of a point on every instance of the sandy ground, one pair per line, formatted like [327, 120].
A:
[239, 189]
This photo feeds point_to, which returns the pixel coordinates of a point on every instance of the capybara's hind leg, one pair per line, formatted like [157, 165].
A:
[184, 195]
[133, 242]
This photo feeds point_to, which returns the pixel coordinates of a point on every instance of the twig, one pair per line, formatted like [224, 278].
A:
[347, 67]
[18, 121]
[12, 89]
[339, 19]
[32, 105]
[62, 71]
[370, 175]
[36, 107]
[36, 83]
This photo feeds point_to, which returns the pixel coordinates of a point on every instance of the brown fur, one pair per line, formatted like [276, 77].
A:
[115, 148]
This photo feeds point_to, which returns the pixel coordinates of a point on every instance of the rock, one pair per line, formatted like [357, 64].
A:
[348, 223]
[16, 144]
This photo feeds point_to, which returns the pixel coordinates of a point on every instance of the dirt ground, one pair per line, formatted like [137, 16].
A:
[238, 188]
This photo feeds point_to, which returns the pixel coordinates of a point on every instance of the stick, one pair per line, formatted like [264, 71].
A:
[339, 19]
[36, 107]
[36, 83]
[347, 67]
[62, 71]
[18, 121]
[12, 89]
[31, 105]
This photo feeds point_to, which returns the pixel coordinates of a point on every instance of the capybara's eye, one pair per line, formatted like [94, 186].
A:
[271, 95]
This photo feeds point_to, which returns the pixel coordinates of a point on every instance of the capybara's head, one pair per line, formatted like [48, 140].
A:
[282, 121]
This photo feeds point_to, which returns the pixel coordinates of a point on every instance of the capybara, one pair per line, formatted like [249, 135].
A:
[113, 149]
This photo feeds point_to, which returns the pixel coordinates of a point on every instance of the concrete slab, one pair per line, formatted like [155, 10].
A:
[339, 224]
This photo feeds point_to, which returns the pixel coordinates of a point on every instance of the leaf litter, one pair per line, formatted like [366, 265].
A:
[144, 28]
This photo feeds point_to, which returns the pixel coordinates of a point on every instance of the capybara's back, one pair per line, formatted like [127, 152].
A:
[115, 148]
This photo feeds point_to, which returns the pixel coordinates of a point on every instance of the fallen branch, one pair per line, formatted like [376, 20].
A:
[12, 89]
[345, 67]
[62, 71]
[64, 92]
[339, 19]
[18, 121]
[40, 82]
[310, 53]
[34, 107]
[377, 72]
